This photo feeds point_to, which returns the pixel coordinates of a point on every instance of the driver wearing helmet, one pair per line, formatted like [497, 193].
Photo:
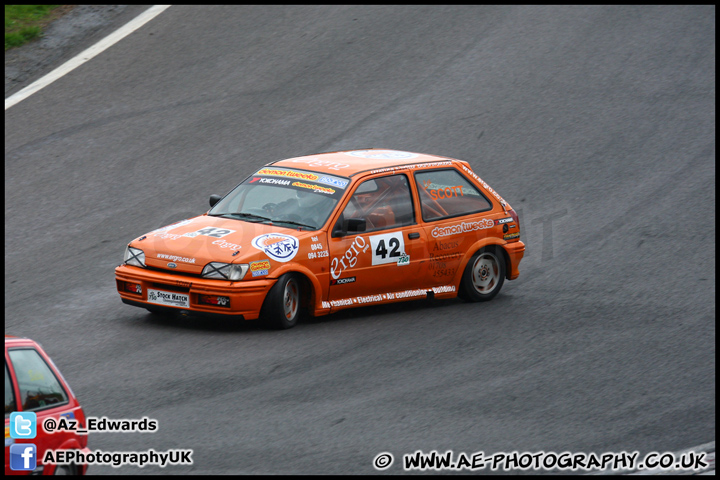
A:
[307, 207]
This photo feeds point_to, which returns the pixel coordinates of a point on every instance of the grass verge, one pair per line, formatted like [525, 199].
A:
[24, 23]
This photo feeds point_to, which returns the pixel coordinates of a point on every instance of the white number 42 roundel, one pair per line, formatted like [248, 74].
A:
[210, 232]
[387, 248]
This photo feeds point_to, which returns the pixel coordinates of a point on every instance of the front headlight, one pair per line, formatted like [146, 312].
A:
[225, 271]
[134, 256]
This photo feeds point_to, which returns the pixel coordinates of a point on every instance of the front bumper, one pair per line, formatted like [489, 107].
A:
[246, 297]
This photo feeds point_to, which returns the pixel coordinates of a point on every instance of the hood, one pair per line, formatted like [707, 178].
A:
[187, 246]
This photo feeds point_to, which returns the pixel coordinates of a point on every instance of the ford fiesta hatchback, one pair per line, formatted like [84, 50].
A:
[320, 233]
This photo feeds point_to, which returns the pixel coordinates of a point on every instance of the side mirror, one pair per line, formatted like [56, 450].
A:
[351, 225]
[354, 225]
[214, 199]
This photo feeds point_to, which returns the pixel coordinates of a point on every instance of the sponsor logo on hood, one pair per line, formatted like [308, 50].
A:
[175, 258]
[279, 247]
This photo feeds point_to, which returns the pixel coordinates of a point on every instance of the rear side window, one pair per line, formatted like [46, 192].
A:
[446, 193]
[38, 385]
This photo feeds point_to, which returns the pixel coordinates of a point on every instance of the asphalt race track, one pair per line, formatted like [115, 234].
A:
[596, 123]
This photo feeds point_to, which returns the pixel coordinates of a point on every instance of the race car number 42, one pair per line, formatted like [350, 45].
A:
[387, 248]
[170, 299]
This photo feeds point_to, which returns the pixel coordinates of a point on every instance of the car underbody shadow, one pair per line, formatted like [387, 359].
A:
[375, 311]
[189, 321]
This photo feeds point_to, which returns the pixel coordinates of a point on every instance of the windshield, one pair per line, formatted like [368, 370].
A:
[284, 196]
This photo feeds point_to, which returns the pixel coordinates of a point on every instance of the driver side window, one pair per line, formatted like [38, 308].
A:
[383, 203]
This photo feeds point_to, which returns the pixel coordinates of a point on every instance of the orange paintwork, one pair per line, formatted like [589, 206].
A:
[341, 271]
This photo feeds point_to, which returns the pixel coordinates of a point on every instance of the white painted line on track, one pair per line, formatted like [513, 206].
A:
[86, 55]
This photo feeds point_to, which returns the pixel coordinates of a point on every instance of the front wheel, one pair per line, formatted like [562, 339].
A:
[484, 276]
[281, 309]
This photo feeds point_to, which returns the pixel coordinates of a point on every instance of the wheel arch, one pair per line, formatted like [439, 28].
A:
[476, 247]
[77, 469]
[308, 283]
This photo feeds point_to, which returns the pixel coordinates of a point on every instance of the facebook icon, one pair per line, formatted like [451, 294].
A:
[23, 456]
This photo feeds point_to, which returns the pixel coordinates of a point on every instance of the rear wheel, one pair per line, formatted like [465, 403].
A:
[282, 308]
[484, 276]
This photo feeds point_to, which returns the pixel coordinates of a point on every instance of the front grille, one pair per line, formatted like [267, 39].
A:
[173, 272]
[174, 288]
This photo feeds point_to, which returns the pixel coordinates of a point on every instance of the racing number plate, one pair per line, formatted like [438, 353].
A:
[169, 299]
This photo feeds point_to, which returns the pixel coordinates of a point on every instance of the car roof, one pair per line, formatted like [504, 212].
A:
[13, 341]
[347, 163]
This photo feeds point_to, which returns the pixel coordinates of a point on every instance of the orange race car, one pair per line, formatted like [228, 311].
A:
[330, 231]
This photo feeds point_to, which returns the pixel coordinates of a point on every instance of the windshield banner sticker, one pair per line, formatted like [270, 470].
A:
[300, 180]
[314, 188]
[271, 181]
[334, 181]
[287, 173]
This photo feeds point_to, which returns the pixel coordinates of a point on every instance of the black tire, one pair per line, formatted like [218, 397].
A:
[282, 306]
[484, 276]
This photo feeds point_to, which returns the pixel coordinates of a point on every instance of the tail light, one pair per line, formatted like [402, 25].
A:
[515, 217]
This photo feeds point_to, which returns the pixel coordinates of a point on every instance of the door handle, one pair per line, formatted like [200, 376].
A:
[413, 235]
